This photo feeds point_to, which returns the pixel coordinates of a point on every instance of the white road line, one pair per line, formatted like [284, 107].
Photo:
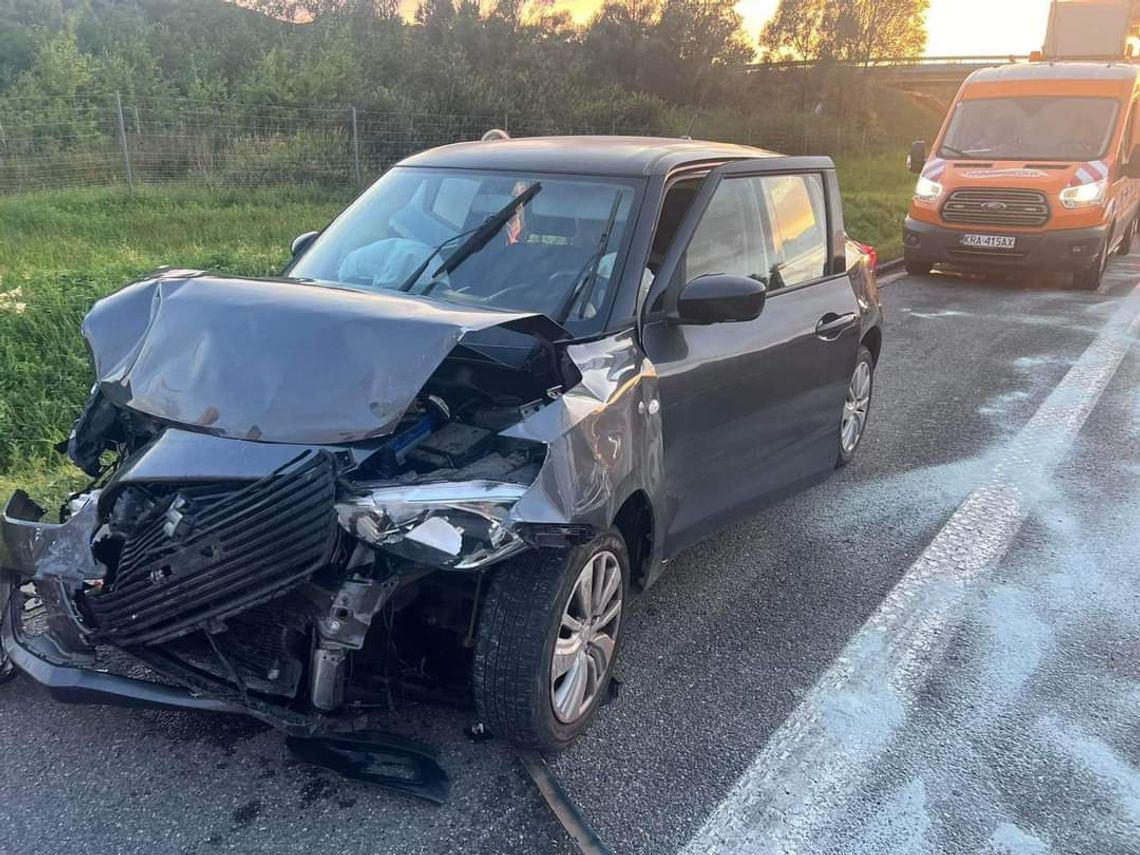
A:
[795, 787]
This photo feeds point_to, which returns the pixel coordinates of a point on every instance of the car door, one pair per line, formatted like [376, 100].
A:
[752, 409]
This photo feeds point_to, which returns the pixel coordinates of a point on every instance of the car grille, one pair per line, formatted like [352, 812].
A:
[244, 546]
[978, 207]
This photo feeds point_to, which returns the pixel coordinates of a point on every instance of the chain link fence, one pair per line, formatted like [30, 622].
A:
[111, 139]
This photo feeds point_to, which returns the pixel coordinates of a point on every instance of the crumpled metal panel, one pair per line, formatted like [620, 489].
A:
[604, 438]
[275, 360]
[42, 550]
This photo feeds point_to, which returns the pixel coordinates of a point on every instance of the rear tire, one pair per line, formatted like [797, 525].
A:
[857, 407]
[532, 606]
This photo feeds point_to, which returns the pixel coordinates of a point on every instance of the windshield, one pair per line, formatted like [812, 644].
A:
[553, 249]
[1065, 129]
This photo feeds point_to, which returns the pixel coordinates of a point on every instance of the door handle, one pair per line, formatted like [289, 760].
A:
[831, 325]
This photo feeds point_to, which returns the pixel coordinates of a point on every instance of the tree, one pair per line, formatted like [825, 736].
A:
[800, 30]
[853, 31]
[869, 29]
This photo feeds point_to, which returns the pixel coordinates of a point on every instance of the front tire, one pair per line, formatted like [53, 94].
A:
[8, 671]
[917, 266]
[1129, 238]
[1090, 278]
[856, 408]
[549, 634]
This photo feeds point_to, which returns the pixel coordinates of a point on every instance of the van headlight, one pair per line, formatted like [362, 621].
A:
[1084, 195]
[927, 191]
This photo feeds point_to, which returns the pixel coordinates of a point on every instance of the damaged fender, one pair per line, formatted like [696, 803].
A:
[603, 436]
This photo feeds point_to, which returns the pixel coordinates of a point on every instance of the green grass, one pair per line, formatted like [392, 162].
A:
[876, 192]
[62, 250]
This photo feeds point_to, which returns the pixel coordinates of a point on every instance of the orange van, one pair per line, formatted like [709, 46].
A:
[1035, 168]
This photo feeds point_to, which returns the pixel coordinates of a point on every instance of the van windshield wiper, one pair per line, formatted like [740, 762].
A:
[584, 281]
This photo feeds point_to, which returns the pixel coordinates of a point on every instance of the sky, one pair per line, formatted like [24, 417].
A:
[957, 27]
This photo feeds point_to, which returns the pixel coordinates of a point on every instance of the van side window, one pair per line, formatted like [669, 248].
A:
[1129, 140]
[798, 213]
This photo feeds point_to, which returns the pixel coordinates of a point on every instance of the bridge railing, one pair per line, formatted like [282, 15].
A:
[892, 62]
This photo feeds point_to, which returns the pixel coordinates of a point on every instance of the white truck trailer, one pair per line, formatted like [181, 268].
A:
[1088, 29]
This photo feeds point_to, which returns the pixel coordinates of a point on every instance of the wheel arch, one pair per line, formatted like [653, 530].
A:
[873, 341]
[635, 520]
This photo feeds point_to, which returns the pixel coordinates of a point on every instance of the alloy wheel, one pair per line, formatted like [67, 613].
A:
[587, 638]
[856, 407]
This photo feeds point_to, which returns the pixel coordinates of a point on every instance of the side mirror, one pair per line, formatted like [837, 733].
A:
[301, 242]
[1131, 167]
[720, 298]
[917, 157]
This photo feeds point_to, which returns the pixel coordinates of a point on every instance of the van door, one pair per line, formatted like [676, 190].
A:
[1126, 191]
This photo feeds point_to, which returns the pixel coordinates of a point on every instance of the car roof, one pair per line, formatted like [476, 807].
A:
[1055, 71]
[584, 155]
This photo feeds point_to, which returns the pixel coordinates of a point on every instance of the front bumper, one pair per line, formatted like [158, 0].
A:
[1065, 251]
[58, 559]
[77, 684]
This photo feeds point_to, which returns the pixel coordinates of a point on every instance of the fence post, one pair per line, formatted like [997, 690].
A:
[123, 141]
[355, 150]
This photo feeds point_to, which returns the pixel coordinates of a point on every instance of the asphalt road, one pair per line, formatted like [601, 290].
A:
[1020, 736]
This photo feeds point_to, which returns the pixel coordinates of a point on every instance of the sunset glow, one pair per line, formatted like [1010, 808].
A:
[957, 27]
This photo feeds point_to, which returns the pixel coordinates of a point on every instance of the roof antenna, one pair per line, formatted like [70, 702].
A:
[495, 134]
[689, 133]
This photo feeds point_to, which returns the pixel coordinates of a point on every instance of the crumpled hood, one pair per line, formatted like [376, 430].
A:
[277, 360]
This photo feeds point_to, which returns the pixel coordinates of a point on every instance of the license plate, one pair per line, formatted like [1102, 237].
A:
[990, 241]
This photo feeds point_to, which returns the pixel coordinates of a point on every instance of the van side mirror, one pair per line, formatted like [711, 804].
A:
[1131, 167]
[917, 157]
[720, 298]
[301, 242]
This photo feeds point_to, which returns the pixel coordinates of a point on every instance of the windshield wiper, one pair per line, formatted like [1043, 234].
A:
[477, 238]
[411, 280]
[491, 226]
[588, 275]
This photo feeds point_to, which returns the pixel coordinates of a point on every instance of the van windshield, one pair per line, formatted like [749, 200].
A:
[1050, 128]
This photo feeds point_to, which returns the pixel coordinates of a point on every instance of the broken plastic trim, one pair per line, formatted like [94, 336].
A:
[383, 759]
[457, 525]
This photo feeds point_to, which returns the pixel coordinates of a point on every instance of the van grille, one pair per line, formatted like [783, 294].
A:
[984, 207]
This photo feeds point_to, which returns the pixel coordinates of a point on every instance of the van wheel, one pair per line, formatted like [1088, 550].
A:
[917, 267]
[1090, 278]
[856, 408]
[549, 634]
[1129, 237]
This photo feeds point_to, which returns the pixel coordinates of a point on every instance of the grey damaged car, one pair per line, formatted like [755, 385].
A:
[500, 390]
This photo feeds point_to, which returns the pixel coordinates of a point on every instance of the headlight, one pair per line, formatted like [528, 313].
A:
[451, 524]
[927, 191]
[1084, 195]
